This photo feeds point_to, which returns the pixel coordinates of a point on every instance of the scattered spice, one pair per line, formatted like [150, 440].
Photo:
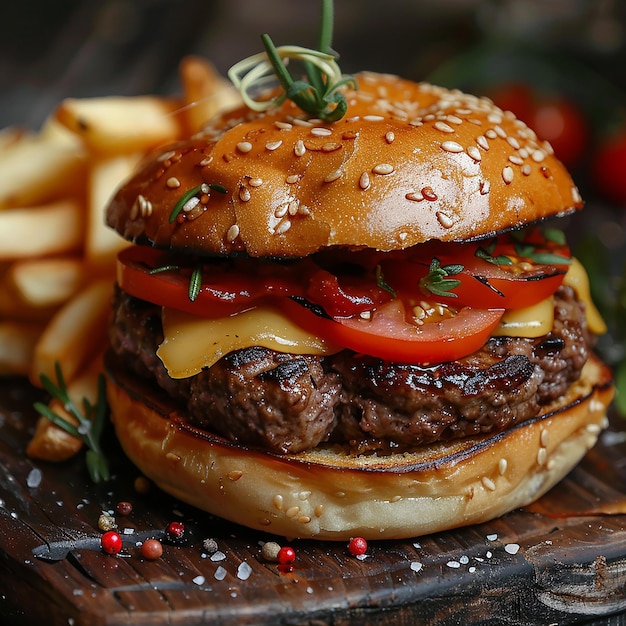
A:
[270, 550]
[151, 549]
[286, 555]
[124, 508]
[210, 546]
[106, 522]
[111, 542]
[175, 531]
[357, 546]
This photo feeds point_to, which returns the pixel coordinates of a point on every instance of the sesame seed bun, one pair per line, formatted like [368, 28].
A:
[410, 162]
[326, 493]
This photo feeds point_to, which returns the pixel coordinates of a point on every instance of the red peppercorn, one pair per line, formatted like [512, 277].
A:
[175, 530]
[357, 546]
[111, 542]
[124, 508]
[286, 555]
[151, 549]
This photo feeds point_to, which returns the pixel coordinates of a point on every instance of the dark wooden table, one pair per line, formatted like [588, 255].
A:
[562, 562]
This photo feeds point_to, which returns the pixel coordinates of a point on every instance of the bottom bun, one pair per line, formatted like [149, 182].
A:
[327, 493]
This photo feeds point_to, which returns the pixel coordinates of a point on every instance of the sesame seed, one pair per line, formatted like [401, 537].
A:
[373, 118]
[255, 182]
[304, 519]
[232, 233]
[494, 118]
[273, 145]
[544, 438]
[415, 196]
[299, 149]
[500, 132]
[173, 182]
[383, 169]
[491, 134]
[244, 146]
[474, 152]
[191, 204]
[453, 119]
[278, 502]
[488, 483]
[293, 207]
[292, 511]
[481, 140]
[502, 466]
[244, 194]
[485, 187]
[365, 315]
[283, 125]
[542, 456]
[332, 176]
[538, 156]
[513, 143]
[166, 156]
[320, 131]
[452, 146]
[283, 227]
[576, 195]
[526, 169]
[507, 174]
[513, 158]
[429, 194]
[444, 219]
[364, 181]
[331, 146]
[390, 136]
[593, 428]
[281, 211]
[206, 161]
[292, 178]
[443, 127]
[303, 209]
[319, 509]
[299, 122]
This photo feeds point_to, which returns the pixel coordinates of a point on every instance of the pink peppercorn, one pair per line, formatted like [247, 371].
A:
[111, 542]
[357, 546]
[286, 555]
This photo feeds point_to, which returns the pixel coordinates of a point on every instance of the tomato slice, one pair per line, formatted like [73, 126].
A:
[389, 335]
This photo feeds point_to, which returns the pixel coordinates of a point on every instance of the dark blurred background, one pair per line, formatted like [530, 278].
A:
[558, 64]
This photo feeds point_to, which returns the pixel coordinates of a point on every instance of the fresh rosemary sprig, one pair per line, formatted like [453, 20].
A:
[91, 420]
[195, 281]
[438, 280]
[320, 96]
[188, 195]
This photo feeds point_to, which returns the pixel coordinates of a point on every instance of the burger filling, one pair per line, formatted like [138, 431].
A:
[348, 387]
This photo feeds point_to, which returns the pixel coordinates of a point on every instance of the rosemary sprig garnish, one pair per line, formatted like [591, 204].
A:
[90, 420]
[188, 195]
[320, 96]
[438, 280]
[195, 281]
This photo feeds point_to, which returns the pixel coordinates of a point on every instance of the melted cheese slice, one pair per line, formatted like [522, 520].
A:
[192, 343]
[533, 321]
[577, 279]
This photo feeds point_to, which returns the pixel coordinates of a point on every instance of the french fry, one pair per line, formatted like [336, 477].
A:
[117, 124]
[205, 91]
[106, 173]
[41, 230]
[36, 168]
[17, 345]
[75, 333]
[10, 136]
[47, 282]
[52, 443]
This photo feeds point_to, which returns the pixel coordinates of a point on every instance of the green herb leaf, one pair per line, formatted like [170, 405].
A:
[380, 281]
[319, 95]
[437, 280]
[91, 420]
[195, 282]
[485, 254]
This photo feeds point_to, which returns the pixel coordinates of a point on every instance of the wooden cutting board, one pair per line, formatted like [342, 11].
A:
[560, 562]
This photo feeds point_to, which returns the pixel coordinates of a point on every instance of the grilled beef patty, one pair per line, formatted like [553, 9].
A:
[288, 403]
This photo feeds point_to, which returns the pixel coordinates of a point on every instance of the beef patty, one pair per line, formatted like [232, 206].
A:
[288, 403]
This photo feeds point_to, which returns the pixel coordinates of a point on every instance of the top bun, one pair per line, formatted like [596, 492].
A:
[409, 162]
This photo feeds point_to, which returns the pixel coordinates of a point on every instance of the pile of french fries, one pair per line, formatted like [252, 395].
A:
[57, 257]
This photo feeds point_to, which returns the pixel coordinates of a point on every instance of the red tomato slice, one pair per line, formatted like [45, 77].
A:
[388, 335]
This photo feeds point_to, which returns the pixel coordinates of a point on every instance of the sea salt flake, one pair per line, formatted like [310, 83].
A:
[492, 537]
[464, 560]
[218, 556]
[511, 548]
[453, 564]
[243, 571]
[220, 573]
[199, 580]
[33, 480]
[471, 569]
[416, 566]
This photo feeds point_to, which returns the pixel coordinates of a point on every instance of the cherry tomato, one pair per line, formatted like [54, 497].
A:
[609, 168]
[553, 117]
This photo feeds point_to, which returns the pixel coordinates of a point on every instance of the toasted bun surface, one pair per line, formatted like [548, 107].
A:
[327, 494]
[410, 162]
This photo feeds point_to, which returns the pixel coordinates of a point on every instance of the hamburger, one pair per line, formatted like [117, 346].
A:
[369, 326]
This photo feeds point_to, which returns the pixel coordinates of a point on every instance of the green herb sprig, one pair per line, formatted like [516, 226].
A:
[438, 280]
[320, 96]
[91, 420]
